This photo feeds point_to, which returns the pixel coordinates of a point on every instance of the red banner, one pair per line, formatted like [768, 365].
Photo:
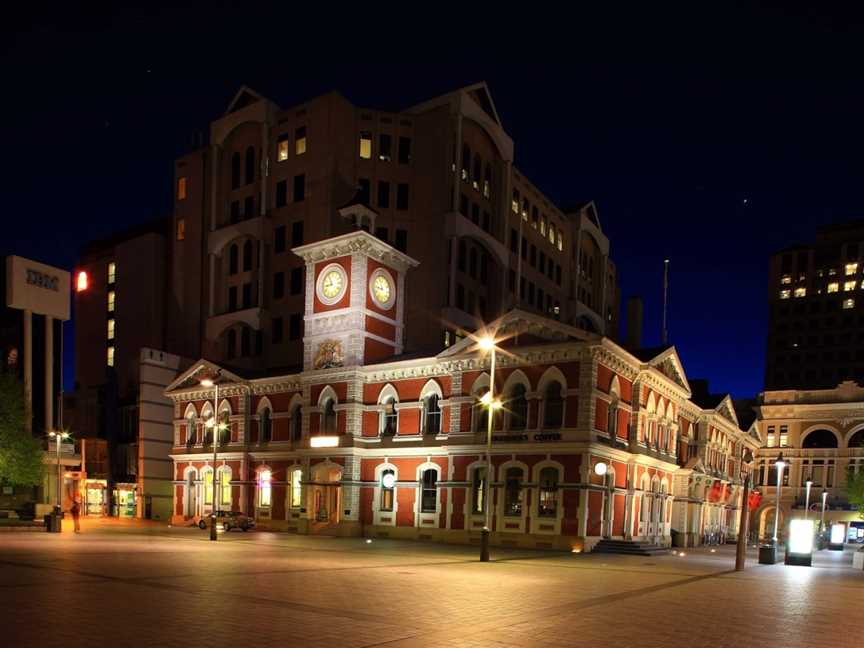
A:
[716, 492]
[754, 499]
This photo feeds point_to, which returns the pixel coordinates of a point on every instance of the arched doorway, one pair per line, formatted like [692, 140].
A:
[325, 495]
[766, 523]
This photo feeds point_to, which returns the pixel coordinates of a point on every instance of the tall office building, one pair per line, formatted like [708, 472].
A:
[436, 181]
[816, 298]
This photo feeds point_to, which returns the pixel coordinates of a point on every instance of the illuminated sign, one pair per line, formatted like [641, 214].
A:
[43, 280]
[38, 288]
[324, 442]
[801, 536]
[838, 533]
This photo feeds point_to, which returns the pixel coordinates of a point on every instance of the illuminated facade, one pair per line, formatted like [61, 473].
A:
[820, 433]
[369, 440]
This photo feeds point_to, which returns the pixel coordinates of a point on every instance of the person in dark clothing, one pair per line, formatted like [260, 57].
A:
[76, 512]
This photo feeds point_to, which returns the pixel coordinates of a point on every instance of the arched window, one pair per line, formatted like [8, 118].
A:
[190, 428]
[389, 417]
[820, 439]
[231, 350]
[266, 425]
[513, 492]
[518, 406]
[431, 415]
[296, 488]
[478, 490]
[553, 406]
[547, 505]
[224, 427]
[388, 481]
[245, 342]
[429, 495]
[487, 182]
[233, 259]
[466, 161]
[250, 165]
[224, 488]
[296, 423]
[478, 171]
[612, 418]
[265, 493]
[208, 486]
[328, 417]
[235, 170]
[481, 412]
[247, 255]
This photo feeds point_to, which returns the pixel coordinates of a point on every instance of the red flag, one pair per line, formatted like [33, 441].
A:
[754, 499]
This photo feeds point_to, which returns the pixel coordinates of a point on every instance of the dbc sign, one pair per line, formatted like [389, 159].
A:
[42, 280]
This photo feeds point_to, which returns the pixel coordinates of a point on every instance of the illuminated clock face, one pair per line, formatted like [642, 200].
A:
[381, 287]
[332, 284]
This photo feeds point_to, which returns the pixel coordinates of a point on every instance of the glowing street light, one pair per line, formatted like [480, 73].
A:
[808, 484]
[59, 436]
[214, 424]
[487, 343]
[780, 465]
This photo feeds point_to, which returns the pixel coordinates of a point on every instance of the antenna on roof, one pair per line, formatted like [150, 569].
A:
[664, 333]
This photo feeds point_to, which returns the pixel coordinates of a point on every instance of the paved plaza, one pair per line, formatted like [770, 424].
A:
[117, 585]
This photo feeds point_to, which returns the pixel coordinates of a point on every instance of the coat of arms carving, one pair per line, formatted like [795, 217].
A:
[329, 355]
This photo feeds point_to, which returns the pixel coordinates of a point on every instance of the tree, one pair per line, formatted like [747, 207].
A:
[855, 490]
[20, 454]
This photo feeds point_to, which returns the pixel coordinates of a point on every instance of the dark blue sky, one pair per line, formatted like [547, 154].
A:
[711, 137]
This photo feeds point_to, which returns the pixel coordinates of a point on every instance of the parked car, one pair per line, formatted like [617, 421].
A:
[229, 520]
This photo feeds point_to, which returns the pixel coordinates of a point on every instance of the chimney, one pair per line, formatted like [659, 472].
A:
[634, 322]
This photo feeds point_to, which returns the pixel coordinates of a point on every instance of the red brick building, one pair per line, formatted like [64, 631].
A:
[370, 440]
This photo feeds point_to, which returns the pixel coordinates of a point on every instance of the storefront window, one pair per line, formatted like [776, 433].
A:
[513, 493]
[548, 504]
[208, 487]
[429, 500]
[225, 488]
[296, 488]
[264, 489]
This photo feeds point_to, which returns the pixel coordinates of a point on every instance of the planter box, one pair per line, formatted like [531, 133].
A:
[767, 555]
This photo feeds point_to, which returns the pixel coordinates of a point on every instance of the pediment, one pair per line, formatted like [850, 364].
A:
[193, 376]
[727, 411]
[669, 364]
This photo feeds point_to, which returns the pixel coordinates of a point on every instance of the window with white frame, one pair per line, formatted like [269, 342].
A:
[296, 487]
[518, 407]
[265, 492]
[513, 492]
[481, 412]
[553, 406]
[328, 417]
[612, 417]
[431, 414]
[190, 428]
[388, 490]
[225, 488]
[547, 505]
[265, 422]
[429, 491]
[208, 486]
[478, 490]
[389, 417]
[296, 423]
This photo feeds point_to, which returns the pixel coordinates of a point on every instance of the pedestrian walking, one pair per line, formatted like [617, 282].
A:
[76, 512]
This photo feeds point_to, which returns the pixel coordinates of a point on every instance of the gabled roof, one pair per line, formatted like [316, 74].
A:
[479, 92]
[245, 96]
[518, 322]
[667, 362]
[198, 371]
[726, 409]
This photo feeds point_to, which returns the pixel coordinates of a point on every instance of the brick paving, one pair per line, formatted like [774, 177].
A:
[130, 585]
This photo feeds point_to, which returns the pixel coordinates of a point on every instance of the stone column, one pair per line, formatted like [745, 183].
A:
[28, 367]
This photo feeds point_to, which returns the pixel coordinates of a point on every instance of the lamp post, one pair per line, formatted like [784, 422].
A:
[488, 344]
[743, 521]
[780, 465]
[808, 485]
[59, 436]
[214, 424]
[824, 501]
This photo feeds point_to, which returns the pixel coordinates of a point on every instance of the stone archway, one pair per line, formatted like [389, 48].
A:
[765, 519]
[325, 495]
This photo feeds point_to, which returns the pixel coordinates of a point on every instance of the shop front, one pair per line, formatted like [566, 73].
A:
[123, 501]
[95, 497]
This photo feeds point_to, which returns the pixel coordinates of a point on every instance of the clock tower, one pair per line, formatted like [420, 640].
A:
[355, 300]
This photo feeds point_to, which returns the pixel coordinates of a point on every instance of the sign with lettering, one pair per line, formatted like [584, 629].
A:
[39, 288]
[516, 438]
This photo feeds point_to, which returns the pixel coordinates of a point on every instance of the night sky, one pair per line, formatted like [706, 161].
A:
[711, 137]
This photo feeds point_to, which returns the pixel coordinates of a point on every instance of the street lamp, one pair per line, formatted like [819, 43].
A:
[824, 501]
[59, 436]
[487, 343]
[780, 465]
[741, 549]
[808, 484]
[216, 427]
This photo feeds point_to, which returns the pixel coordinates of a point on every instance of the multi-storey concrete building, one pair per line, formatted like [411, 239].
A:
[816, 296]
[593, 441]
[820, 433]
[436, 180]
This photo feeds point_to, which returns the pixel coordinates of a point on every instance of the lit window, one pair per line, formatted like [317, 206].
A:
[833, 287]
[225, 488]
[366, 145]
[832, 272]
[181, 229]
[110, 357]
[786, 279]
[181, 188]
[551, 233]
[514, 205]
[208, 487]
[112, 272]
[543, 225]
[300, 141]
[801, 292]
[560, 241]
[849, 285]
[770, 443]
[296, 488]
[81, 282]
[785, 294]
[111, 329]
[282, 148]
[111, 298]
[784, 440]
[264, 489]
[849, 303]
[851, 268]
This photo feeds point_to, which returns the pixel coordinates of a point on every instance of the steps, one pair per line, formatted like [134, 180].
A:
[625, 547]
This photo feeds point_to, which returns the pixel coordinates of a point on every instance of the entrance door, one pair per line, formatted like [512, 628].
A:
[95, 501]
